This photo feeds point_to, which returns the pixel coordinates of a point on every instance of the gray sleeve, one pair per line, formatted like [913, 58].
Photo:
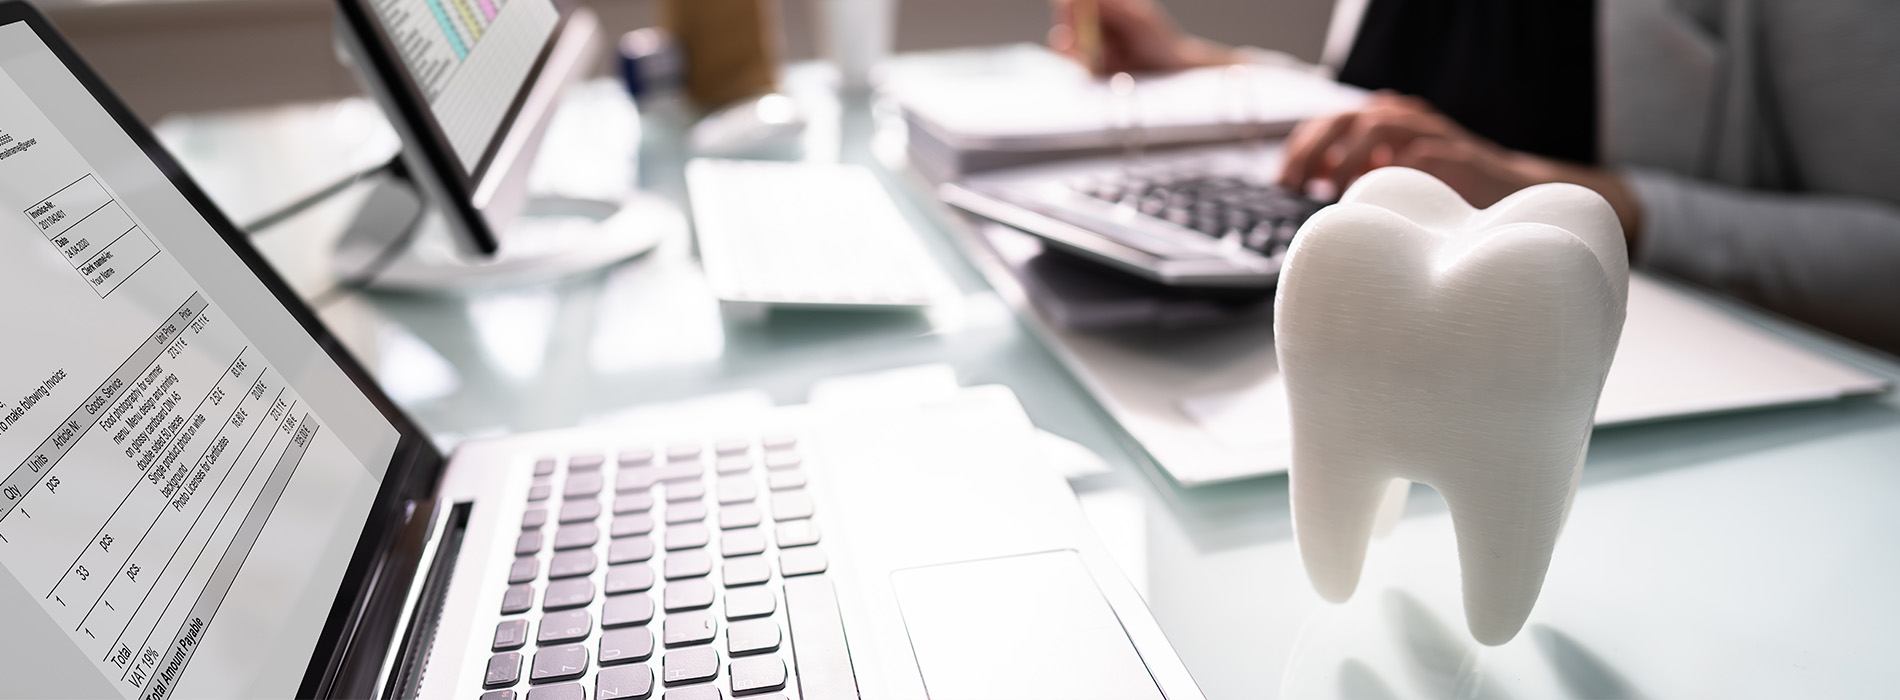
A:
[1830, 261]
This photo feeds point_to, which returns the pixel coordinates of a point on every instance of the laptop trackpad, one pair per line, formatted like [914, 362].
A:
[1030, 626]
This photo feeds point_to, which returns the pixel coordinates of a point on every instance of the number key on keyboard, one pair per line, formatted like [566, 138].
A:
[575, 562]
[558, 663]
[565, 626]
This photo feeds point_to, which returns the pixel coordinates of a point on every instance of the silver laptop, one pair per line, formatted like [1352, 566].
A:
[205, 496]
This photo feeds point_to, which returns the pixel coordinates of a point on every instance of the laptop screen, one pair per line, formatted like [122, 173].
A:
[187, 471]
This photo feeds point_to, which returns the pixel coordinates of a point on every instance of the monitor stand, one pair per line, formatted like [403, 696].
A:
[397, 243]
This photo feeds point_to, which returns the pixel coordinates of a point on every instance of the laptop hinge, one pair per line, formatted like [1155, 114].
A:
[403, 666]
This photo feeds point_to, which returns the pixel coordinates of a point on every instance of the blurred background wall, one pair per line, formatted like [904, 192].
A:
[166, 56]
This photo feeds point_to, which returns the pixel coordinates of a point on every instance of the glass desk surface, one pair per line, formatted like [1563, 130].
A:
[1748, 555]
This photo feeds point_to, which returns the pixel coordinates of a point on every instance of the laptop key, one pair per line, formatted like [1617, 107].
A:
[635, 479]
[684, 490]
[797, 533]
[525, 569]
[576, 536]
[564, 691]
[518, 599]
[788, 479]
[503, 694]
[737, 489]
[543, 467]
[567, 593]
[558, 663]
[585, 510]
[801, 562]
[738, 516]
[564, 626]
[625, 646]
[757, 675]
[688, 564]
[682, 666]
[635, 456]
[510, 634]
[781, 441]
[679, 471]
[745, 571]
[691, 594]
[817, 639]
[585, 462]
[581, 484]
[578, 562]
[633, 503]
[697, 692]
[782, 460]
[735, 464]
[692, 512]
[631, 524]
[534, 518]
[503, 670]
[624, 683]
[752, 637]
[631, 578]
[732, 445]
[791, 505]
[528, 543]
[688, 628]
[626, 610]
[742, 603]
[687, 536]
[738, 543]
[676, 451]
[540, 492]
[630, 549]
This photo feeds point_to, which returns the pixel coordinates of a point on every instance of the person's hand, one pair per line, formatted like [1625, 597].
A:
[1134, 36]
[1399, 130]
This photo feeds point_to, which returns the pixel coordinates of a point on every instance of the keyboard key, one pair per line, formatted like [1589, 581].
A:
[626, 610]
[564, 626]
[745, 571]
[679, 471]
[732, 445]
[518, 599]
[564, 691]
[757, 675]
[632, 524]
[817, 639]
[697, 692]
[534, 518]
[682, 666]
[751, 637]
[738, 543]
[736, 464]
[585, 462]
[677, 491]
[737, 489]
[788, 479]
[635, 479]
[687, 536]
[801, 561]
[688, 628]
[579, 562]
[688, 564]
[797, 533]
[791, 505]
[631, 578]
[510, 634]
[781, 441]
[624, 683]
[503, 694]
[567, 593]
[540, 492]
[677, 513]
[576, 536]
[690, 594]
[742, 603]
[782, 460]
[559, 663]
[581, 484]
[503, 670]
[581, 511]
[676, 451]
[528, 543]
[635, 456]
[524, 570]
[738, 516]
[625, 646]
[543, 467]
[632, 503]
[630, 549]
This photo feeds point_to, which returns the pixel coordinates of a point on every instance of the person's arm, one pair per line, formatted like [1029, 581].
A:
[1833, 262]
[1135, 36]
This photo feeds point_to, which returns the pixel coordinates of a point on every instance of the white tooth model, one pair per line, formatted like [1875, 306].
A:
[1424, 340]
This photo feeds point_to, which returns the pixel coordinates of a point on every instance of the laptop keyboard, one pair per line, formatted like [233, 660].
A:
[682, 571]
[1259, 217]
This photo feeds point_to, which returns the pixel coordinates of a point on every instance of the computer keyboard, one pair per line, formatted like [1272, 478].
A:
[708, 563]
[1257, 216]
[816, 235]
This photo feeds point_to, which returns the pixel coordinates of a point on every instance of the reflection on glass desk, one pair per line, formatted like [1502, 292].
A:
[1747, 555]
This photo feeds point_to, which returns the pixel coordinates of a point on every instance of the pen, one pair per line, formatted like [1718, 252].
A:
[1086, 18]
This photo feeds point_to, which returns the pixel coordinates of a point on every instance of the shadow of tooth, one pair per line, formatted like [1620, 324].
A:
[1583, 673]
[1357, 681]
[1443, 658]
